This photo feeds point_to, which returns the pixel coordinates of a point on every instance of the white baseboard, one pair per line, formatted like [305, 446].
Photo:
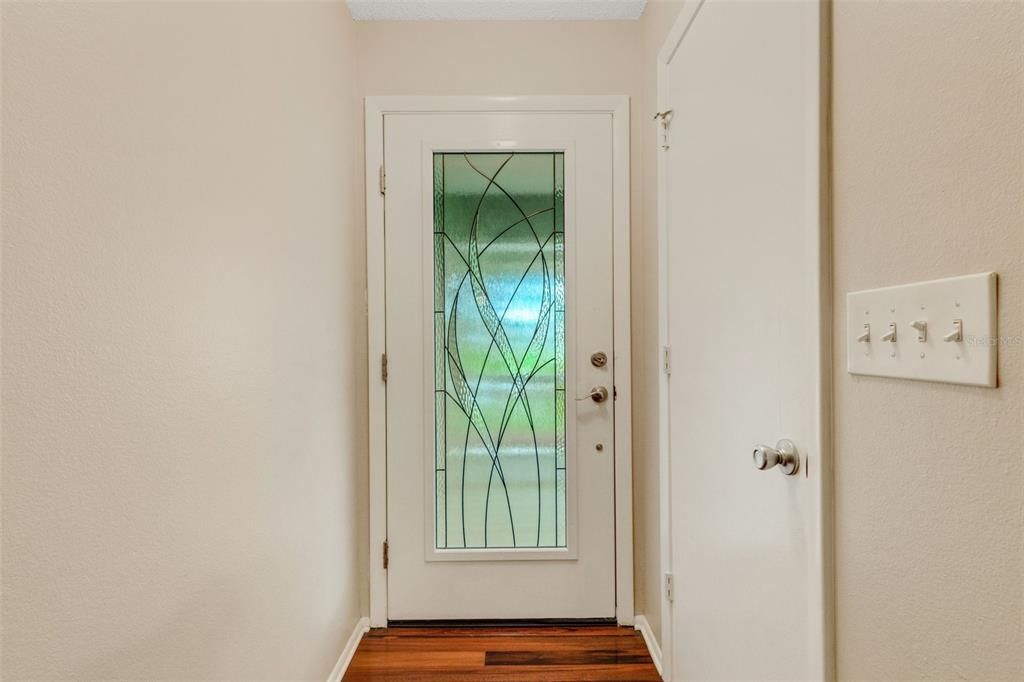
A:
[640, 623]
[362, 625]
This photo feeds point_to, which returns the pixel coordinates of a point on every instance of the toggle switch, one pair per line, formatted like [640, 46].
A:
[891, 334]
[922, 330]
[957, 335]
[865, 336]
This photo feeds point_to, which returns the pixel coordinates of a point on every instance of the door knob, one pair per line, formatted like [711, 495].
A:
[598, 394]
[784, 454]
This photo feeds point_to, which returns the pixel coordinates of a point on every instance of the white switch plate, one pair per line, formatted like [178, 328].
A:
[939, 303]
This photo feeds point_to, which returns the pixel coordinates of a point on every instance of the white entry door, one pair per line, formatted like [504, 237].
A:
[744, 294]
[500, 365]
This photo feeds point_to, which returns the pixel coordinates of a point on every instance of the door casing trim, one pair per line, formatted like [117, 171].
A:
[617, 106]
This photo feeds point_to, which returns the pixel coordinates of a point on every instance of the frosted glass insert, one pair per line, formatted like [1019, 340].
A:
[499, 350]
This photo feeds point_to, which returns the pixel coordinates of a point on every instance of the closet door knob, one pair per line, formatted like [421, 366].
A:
[783, 455]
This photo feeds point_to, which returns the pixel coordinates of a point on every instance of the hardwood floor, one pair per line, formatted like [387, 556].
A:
[551, 654]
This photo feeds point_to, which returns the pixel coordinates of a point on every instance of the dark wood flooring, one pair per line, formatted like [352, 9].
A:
[551, 654]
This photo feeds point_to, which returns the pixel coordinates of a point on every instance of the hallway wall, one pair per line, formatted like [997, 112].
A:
[928, 170]
[182, 215]
[183, 350]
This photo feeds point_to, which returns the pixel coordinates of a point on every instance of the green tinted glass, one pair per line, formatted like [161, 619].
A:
[499, 350]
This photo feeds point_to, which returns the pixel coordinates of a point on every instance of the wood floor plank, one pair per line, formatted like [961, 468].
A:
[420, 660]
[546, 653]
[573, 658]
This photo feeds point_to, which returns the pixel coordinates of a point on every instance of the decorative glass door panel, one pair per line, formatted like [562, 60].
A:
[499, 350]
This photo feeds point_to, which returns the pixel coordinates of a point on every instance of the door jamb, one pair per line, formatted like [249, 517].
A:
[618, 108]
[820, 104]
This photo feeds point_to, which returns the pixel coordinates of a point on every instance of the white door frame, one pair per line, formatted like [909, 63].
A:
[618, 108]
[819, 103]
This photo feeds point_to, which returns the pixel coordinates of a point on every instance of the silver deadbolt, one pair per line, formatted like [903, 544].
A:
[598, 394]
[599, 359]
[783, 454]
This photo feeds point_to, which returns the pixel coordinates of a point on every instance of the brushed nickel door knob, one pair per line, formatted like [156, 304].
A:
[783, 454]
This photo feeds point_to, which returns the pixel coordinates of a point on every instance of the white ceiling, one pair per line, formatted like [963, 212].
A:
[489, 10]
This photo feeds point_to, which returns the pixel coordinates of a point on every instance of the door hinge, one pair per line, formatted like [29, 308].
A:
[384, 367]
[663, 117]
[383, 181]
[385, 555]
[670, 591]
[666, 360]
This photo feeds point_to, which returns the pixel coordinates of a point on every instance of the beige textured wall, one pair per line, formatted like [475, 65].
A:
[182, 202]
[929, 182]
[498, 58]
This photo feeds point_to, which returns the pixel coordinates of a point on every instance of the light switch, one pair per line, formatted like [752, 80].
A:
[959, 311]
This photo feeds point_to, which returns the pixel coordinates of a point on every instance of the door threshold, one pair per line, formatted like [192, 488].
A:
[503, 622]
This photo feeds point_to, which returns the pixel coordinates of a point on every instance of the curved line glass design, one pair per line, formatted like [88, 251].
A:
[499, 350]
